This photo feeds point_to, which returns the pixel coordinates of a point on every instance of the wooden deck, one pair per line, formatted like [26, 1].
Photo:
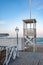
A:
[28, 58]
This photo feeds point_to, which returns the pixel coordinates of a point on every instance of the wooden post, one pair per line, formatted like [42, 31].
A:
[23, 44]
[34, 40]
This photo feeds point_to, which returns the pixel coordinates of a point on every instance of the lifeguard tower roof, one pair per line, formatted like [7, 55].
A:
[30, 21]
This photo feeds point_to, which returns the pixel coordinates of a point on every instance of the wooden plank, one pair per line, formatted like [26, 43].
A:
[2, 56]
[3, 53]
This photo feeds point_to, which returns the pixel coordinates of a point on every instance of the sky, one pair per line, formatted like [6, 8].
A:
[13, 12]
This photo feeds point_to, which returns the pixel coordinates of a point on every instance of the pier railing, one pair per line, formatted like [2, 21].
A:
[4, 41]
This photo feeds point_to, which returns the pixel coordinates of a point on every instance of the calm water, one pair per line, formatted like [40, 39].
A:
[39, 40]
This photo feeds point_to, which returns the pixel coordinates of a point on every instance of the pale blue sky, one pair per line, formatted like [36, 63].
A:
[12, 12]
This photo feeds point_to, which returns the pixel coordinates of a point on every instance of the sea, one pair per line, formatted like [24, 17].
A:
[39, 40]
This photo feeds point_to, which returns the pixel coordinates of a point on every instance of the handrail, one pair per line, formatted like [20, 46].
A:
[29, 32]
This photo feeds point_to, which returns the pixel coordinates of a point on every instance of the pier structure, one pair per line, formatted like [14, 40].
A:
[29, 33]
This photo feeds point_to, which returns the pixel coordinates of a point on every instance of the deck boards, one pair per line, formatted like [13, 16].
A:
[28, 58]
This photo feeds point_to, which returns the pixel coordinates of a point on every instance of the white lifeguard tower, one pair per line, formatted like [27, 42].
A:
[29, 32]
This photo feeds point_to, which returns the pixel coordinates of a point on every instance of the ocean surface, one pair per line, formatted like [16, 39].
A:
[39, 40]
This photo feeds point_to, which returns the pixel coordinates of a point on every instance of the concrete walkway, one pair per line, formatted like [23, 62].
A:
[28, 58]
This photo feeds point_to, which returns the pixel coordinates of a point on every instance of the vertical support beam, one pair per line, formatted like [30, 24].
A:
[34, 27]
[26, 28]
[23, 29]
[17, 46]
[23, 44]
[34, 40]
[35, 36]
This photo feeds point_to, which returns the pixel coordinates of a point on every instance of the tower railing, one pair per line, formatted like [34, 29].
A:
[29, 32]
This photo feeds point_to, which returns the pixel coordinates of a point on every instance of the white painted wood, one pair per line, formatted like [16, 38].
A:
[9, 44]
